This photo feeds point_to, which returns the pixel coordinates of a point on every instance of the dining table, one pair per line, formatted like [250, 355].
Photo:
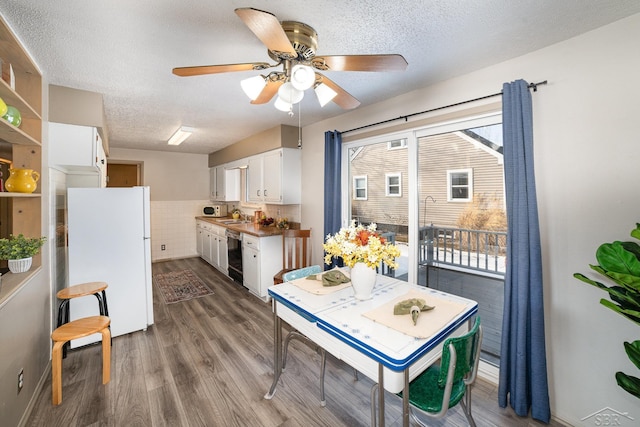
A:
[389, 349]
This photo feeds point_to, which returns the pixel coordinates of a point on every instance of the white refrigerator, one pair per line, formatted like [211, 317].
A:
[109, 241]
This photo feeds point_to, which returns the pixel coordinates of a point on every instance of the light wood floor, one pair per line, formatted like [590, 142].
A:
[208, 362]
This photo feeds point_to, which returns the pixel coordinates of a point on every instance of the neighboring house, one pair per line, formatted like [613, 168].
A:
[455, 170]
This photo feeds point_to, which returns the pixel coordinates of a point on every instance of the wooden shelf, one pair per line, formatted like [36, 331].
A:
[14, 135]
[11, 97]
[11, 283]
[10, 194]
[21, 211]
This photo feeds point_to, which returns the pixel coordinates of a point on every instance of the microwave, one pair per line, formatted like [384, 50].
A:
[215, 211]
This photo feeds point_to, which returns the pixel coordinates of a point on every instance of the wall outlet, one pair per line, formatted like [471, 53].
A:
[163, 247]
[20, 379]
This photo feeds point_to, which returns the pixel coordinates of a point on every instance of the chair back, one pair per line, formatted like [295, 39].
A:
[296, 249]
[300, 273]
[461, 356]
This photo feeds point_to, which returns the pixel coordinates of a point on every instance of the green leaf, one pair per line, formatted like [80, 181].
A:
[627, 280]
[585, 279]
[636, 233]
[628, 383]
[630, 314]
[626, 299]
[633, 351]
[632, 247]
[614, 257]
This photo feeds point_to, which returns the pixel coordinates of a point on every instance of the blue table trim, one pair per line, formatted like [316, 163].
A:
[395, 364]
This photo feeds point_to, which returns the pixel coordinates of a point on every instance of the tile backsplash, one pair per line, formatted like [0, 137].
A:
[173, 224]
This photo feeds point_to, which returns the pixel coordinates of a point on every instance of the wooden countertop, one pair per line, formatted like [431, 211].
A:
[248, 228]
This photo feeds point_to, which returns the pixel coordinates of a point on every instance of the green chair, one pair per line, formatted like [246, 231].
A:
[442, 387]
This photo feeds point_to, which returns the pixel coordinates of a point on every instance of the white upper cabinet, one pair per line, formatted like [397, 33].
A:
[274, 177]
[78, 149]
[224, 184]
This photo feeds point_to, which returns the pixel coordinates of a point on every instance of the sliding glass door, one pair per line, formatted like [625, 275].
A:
[438, 192]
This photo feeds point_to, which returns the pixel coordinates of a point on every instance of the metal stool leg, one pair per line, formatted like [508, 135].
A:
[102, 307]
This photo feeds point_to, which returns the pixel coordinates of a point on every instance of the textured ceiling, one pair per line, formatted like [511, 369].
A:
[126, 50]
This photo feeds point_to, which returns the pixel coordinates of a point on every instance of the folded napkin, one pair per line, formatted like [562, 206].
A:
[412, 306]
[429, 322]
[317, 287]
[331, 278]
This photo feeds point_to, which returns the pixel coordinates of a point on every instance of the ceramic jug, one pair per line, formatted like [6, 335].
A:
[22, 180]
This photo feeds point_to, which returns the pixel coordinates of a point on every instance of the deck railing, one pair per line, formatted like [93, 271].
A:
[478, 250]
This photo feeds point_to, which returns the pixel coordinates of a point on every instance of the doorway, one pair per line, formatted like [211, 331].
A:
[123, 174]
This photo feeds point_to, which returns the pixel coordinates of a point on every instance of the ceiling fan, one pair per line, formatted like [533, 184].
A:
[293, 45]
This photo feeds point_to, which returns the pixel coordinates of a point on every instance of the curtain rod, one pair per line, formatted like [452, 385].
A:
[533, 86]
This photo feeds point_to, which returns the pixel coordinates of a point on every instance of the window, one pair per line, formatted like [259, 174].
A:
[397, 144]
[459, 183]
[360, 187]
[393, 184]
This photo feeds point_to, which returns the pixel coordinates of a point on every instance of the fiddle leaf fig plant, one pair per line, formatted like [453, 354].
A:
[19, 247]
[620, 263]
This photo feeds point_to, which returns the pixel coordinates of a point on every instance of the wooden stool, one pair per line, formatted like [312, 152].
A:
[73, 330]
[84, 289]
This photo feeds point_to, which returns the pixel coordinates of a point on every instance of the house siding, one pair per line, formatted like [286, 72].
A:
[436, 155]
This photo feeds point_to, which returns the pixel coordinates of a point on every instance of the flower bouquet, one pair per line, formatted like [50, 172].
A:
[359, 243]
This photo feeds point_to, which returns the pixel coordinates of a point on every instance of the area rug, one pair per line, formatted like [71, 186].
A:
[180, 285]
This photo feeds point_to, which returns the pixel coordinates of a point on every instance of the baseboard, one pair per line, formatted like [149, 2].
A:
[489, 372]
[34, 397]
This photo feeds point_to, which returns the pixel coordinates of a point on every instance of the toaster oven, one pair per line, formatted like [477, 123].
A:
[215, 211]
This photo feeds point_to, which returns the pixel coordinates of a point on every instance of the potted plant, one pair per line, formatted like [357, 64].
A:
[19, 250]
[620, 263]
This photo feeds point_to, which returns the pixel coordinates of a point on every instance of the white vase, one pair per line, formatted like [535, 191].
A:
[20, 265]
[363, 279]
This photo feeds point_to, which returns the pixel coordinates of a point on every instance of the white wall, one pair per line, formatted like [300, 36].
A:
[179, 188]
[586, 154]
[171, 176]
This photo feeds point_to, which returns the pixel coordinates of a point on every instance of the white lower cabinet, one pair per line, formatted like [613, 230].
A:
[211, 244]
[251, 268]
[200, 232]
[261, 260]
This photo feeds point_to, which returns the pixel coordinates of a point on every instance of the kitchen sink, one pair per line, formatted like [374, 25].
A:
[233, 221]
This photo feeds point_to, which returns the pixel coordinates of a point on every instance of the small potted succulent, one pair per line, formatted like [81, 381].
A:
[19, 250]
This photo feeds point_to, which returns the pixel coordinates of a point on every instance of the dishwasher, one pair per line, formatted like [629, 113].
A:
[234, 254]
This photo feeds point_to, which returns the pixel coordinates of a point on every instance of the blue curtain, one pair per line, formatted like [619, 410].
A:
[523, 365]
[332, 183]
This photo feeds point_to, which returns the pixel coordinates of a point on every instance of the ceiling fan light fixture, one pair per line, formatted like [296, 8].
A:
[282, 105]
[302, 77]
[324, 93]
[290, 94]
[253, 86]
[180, 135]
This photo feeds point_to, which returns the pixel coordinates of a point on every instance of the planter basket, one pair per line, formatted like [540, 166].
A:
[20, 265]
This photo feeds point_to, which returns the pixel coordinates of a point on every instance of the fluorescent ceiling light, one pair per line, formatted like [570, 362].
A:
[302, 77]
[181, 134]
[324, 94]
[253, 86]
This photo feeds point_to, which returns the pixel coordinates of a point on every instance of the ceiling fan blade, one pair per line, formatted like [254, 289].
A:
[215, 69]
[268, 29]
[268, 92]
[343, 98]
[390, 62]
